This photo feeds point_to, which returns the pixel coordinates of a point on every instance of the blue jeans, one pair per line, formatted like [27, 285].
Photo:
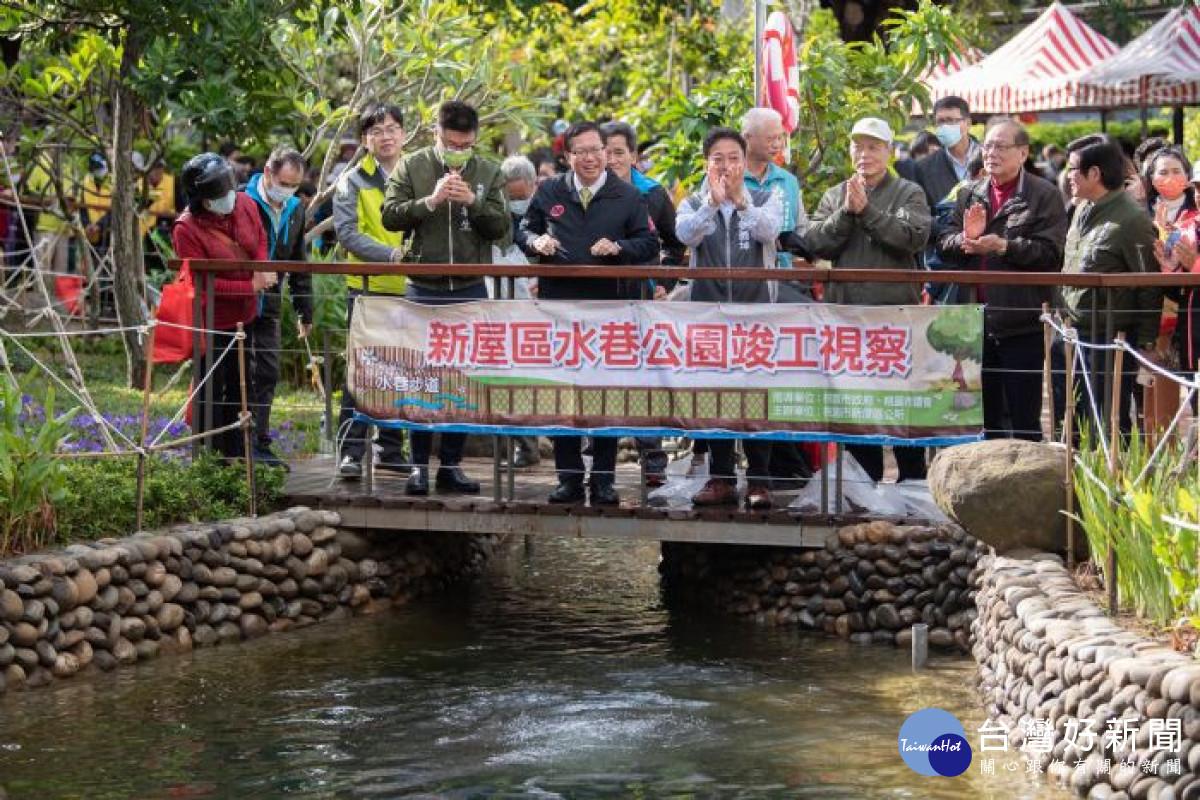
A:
[451, 447]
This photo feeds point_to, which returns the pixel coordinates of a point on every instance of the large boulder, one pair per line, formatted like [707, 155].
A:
[1006, 492]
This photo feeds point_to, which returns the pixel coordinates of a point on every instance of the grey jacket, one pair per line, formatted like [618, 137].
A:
[746, 241]
[890, 233]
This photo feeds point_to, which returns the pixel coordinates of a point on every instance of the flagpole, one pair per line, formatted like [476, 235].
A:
[760, 12]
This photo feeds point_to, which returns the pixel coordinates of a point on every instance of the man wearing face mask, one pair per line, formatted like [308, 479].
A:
[938, 173]
[520, 181]
[282, 218]
[451, 201]
[222, 224]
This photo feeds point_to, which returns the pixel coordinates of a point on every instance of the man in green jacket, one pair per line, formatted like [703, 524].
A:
[451, 202]
[1110, 233]
[873, 220]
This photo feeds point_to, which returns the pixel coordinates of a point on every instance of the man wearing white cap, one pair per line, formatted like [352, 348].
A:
[873, 220]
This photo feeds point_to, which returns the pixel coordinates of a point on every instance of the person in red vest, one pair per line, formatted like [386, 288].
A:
[222, 224]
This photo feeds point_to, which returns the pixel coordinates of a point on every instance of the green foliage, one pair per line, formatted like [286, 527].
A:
[621, 59]
[1156, 557]
[329, 316]
[958, 332]
[840, 82]
[32, 481]
[685, 120]
[100, 498]
[1062, 133]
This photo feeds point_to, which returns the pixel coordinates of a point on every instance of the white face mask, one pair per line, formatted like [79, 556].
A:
[518, 207]
[224, 205]
[280, 194]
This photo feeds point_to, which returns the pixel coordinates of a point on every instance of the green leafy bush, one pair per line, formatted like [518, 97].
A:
[32, 480]
[1151, 524]
[100, 498]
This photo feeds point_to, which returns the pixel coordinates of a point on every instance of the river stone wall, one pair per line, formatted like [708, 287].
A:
[115, 602]
[1046, 651]
[869, 584]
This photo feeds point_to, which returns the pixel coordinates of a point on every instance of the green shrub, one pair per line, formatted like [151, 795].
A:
[32, 480]
[101, 496]
[1156, 555]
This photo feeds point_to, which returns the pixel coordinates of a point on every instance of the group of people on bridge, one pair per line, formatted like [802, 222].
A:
[971, 205]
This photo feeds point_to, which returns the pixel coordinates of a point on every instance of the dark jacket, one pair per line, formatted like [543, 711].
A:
[662, 214]
[618, 213]
[1113, 235]
[452, 232]
[1034, 223]
[285, 243]
[935, 174]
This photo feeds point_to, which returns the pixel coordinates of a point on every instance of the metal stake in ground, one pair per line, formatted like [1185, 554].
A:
[147, 385]
[247, 422]
[1047, 339]
[1114, 440]
[1069, 440]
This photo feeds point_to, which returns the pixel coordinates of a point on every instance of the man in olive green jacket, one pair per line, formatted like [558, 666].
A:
[451, 202]
[873, 220]
[1110, 233]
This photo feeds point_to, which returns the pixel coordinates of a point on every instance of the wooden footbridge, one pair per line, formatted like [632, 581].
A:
[520, 507]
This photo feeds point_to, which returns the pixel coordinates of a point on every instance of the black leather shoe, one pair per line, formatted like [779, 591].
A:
[418, 482]
[452, 480]
[398, 465]
[603, 494]
[350, 469]
[567, 493]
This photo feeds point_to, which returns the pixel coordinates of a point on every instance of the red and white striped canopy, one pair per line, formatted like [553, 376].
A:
[954, 62]
[1040, 69]
[1164, 62]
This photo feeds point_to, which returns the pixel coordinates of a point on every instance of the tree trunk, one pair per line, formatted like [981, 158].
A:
[129, 282]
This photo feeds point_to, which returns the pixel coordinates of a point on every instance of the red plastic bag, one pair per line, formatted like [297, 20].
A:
[173, 345]
[68, 288]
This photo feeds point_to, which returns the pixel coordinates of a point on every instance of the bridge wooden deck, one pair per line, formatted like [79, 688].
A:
[383, 505]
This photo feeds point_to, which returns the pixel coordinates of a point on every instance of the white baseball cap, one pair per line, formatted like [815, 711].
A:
[874, 127]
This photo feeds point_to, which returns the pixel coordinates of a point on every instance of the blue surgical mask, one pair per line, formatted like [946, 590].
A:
[518, 207]
[949, 135]
[223, 206]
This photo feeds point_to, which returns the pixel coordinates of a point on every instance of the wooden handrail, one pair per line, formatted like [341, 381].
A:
[803, 274]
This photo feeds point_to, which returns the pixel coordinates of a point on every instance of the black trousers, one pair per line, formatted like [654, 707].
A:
[450, 445]
[354, 438]
[758, 458]
[226, 391]
[568, 459]
[265, 361]
[909, 460]
[1012, 386]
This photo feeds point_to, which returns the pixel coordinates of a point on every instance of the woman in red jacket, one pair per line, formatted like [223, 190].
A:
[223, 224]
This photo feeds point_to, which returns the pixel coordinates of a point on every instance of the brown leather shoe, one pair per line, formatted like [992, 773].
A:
[716, 492]
[758, 497]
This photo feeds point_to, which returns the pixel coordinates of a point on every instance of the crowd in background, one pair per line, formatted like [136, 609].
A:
[947, 200]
